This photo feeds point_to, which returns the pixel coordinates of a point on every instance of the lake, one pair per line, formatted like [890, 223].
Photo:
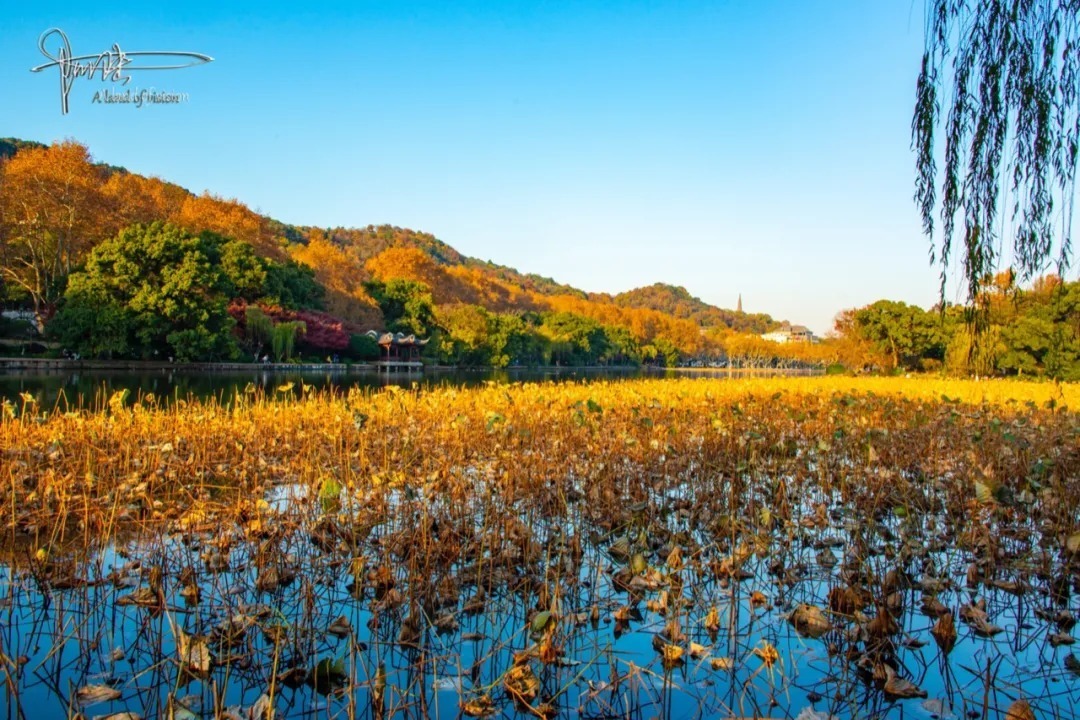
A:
[626, 549]
[88, 388]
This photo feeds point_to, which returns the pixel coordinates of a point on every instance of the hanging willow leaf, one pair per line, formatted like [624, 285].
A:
[1013, 124]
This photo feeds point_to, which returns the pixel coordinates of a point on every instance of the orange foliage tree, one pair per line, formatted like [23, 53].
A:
[343, 279]
[230, 218]
[139, 199]
[850, 348]
[645, 326]
[410, 263]
[52, 211]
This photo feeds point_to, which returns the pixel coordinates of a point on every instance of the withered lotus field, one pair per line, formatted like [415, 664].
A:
[812, 548]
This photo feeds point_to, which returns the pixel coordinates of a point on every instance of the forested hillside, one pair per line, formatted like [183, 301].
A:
[677, 301]
[63, 214]
[114, 264]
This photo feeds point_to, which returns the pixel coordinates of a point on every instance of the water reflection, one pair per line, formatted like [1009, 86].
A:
[89, 388]
[326, 606]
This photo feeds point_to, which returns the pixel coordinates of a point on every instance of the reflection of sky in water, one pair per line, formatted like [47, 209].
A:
[59, 640]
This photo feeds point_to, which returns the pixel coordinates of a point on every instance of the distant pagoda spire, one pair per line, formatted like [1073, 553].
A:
[738, 308]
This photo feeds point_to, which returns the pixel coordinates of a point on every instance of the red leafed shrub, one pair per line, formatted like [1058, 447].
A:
[323, 332]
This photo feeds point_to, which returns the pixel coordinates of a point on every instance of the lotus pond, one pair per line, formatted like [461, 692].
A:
[808, 548]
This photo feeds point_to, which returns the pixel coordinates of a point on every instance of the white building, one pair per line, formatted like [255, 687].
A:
[788, 333]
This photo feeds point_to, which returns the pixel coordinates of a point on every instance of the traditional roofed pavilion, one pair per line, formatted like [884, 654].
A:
[398, 349]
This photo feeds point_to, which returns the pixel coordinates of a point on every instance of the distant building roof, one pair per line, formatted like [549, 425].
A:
[388, 338]
[787, 332]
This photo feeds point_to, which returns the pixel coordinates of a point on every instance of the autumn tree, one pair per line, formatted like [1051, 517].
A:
[52, 211]
[413, 264]
[850, 348]
[342, 276]
[230, 218]
[137, 199]
[750, 350]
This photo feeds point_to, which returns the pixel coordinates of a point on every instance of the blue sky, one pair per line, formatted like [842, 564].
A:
[759, 148]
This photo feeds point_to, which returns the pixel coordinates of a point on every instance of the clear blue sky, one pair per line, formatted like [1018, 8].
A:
[755, 147]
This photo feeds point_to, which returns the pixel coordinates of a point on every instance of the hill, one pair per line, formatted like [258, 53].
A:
[677, 301]
[10, 146]
[372, 277]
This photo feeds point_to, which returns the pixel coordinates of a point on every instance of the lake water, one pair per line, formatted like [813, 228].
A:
[69, 625]
[322, 605]
[88, 388]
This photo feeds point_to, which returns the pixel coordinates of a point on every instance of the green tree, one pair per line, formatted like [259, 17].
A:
[406, 305]
[574, 339]
[258, 329]
[292, 285]
[464, 339]
[1033, 331]
[1044, 337]
[1027, 342]
[92, 326]
[906, 333]
[363, 347]
[622, 349]
[283, 338]
[513, 341]
[244, 271]
[173, 294]
[975, 353]
[666, 351]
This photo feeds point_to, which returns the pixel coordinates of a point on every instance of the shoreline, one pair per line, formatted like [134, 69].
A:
[24, 364]
[59, 364]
